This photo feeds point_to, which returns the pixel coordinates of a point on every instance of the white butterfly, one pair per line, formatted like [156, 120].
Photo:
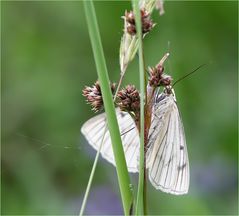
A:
[166, 156]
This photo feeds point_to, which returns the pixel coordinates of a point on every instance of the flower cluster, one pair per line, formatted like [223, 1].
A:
[94, 97]
[128, 99]
[147, 23]
[129, 41]
[157, 77]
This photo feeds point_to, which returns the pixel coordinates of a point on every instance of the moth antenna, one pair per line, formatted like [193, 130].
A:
[202, 65]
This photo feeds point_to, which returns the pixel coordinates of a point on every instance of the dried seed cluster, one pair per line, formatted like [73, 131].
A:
[147, 23]
[158, 78]
[94, 97]
[128, 99]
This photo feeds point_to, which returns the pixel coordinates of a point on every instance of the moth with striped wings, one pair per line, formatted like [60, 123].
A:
[166, 152]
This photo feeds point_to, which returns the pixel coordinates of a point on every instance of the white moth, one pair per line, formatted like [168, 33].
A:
[166, 156]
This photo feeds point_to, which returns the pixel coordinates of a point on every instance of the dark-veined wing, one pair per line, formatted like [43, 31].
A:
[167, 158]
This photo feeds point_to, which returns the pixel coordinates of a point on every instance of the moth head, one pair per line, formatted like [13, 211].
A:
[168, 90]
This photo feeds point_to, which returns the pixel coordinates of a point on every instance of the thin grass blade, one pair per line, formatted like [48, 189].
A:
[140, 208]
[122, 172]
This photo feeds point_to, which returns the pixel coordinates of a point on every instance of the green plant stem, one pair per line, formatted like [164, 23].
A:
[121, 167]
[141, 198]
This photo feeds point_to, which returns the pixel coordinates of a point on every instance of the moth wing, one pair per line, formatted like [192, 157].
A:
[94, 129]
[167, 158]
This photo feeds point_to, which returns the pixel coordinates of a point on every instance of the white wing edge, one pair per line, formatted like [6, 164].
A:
[110, 158]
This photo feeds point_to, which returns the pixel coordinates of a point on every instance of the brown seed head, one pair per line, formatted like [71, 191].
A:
[147, 23]
[128, 99]
[94, 97]
[131, 29]
[129, 16]
[155, 75]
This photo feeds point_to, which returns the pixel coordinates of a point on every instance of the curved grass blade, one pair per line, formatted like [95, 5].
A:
[122, 172]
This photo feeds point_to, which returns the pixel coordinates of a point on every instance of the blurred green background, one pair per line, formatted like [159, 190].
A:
[46, 62]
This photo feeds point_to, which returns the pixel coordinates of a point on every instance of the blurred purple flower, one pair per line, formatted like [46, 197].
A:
[103, 201]
[218, 176]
